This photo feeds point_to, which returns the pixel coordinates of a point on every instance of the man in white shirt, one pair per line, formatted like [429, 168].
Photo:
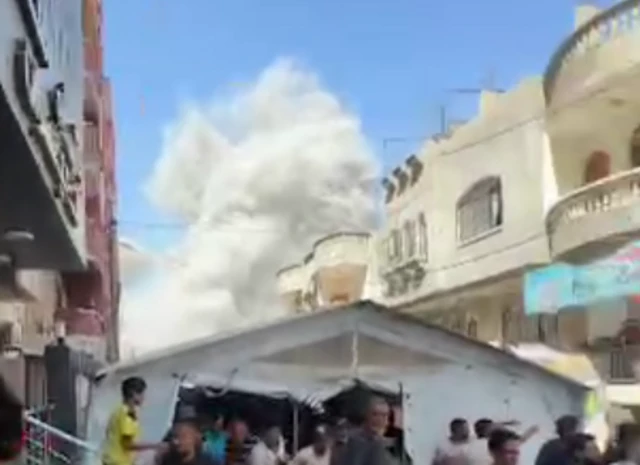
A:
[455, 449]
[478, 448]
[318, 453]
[268, 451]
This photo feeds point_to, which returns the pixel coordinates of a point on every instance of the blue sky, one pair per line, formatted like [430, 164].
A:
[390, 61]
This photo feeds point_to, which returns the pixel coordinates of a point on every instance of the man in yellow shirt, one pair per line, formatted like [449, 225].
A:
[123, 429]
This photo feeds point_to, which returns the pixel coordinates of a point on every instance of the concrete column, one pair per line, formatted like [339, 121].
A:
[61, 387]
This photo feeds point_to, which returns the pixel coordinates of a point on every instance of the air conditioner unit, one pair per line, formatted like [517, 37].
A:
[10, 287]
[10, 338]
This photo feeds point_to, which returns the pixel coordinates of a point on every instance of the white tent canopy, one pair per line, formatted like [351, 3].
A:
[314, 356]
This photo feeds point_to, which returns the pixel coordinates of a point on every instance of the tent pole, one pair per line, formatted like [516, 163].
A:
[354, 354]
[296, 427]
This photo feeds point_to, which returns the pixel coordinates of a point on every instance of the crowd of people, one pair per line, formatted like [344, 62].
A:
[197, 439]
[495, 444]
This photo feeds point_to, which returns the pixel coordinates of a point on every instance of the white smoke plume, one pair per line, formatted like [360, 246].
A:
[257, 177]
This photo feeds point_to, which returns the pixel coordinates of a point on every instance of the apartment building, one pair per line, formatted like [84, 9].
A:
[465, 217]
[93, 293]
[58, 258]
[548, 171]
[41, 195]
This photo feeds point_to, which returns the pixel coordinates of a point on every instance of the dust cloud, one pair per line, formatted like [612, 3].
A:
[257, 177]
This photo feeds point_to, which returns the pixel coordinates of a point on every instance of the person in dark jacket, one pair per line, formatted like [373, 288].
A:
[366, 446]
[555, 451]
[583, 450]
[11, 424]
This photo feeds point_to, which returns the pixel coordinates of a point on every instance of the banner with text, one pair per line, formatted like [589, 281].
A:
[552, 288]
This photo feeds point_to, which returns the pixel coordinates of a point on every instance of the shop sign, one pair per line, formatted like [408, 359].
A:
[559, 286]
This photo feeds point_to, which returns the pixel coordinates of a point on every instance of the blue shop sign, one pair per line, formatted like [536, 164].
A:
[559, 286]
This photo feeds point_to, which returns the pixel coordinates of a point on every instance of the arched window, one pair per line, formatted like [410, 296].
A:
[480, 209]
[598, 166]
[635, 148]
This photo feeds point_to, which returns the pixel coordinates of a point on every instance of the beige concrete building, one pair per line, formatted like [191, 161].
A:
[339, 270]
[546, 171]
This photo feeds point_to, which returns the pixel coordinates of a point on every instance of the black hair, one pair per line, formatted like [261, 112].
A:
[11, 426]
[578, 442]
[482, 427]
[188, 421]
[374, 400]
[567, 424]
[456, 424]
[499, 437]
[132, 386]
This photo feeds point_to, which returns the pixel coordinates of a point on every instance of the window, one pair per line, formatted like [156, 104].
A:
[459, 324]
[480, 209]
[423, 239]
[472, 328]
[395, 245]
[410, 237]
[548, 328]
[506, 326]
[598, 167]
[529, 328]
[6, 335]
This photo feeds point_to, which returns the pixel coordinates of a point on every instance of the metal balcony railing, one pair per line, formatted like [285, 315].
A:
[619, 368]
[617, 20]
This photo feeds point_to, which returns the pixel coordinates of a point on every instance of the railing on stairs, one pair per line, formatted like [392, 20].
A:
[46, 445]
[621, 18]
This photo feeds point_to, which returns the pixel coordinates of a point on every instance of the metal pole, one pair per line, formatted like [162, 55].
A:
[296, 427]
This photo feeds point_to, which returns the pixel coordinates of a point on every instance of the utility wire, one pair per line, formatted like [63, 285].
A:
[619, 77]
[408, 201]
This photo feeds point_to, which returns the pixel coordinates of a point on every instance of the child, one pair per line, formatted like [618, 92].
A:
[123, 429]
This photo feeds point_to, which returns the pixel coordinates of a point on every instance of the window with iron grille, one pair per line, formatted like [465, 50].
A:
[6, 333]
[396, 245]
[423, 238]
[472, 328]
[620, 368]
[410, 237]
[479, 210]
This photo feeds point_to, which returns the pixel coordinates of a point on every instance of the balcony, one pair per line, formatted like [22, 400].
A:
[603, 46]
[41, 169]
[341, 264]
[596, 219]
[92, 97]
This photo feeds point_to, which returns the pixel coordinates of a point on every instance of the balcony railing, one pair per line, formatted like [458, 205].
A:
[619, 366]
[616, 192]
[617, 20]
